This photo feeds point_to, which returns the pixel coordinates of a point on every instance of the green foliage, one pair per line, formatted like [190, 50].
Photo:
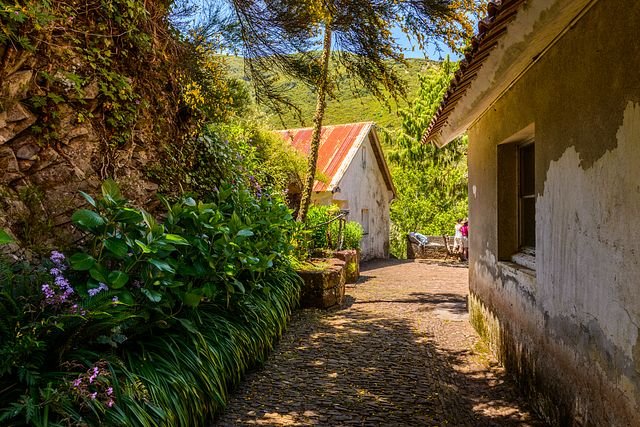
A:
[349, 102]
[240, 151]
[353, 233]
[323, 232]
[20, 22]
[152, 323]
[203, 251]
[431, 182]
[5, 237]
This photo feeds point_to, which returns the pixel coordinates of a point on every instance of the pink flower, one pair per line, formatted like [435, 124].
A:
[110, 403]
[93, 395]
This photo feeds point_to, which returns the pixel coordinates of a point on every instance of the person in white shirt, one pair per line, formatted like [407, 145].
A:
[457, 237]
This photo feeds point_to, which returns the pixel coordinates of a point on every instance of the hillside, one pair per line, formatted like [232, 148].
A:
[347, 107]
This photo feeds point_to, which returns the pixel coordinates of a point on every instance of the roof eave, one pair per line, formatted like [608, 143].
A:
[529, 34]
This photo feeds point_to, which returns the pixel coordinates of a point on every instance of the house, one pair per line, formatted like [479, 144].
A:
[550, 96]
[352, 174]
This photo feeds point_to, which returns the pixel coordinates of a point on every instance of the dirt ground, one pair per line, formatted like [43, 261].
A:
[399, 352]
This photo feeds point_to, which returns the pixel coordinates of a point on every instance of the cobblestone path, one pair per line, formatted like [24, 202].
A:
[400, 352]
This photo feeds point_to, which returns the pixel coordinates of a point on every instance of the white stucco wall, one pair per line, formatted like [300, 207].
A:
[589, 238]
[363, 187]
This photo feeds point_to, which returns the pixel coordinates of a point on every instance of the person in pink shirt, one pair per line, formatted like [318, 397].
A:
[465, 239]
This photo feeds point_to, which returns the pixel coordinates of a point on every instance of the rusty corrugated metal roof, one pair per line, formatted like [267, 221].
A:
[490, 30]
[336, 142]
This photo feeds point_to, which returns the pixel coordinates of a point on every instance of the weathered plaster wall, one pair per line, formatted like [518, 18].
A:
[362, 187]
[569, 329]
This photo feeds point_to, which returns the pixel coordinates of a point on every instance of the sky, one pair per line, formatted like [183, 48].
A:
[431, 52]
[410, 47]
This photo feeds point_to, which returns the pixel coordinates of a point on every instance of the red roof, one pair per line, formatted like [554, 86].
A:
[335, 144]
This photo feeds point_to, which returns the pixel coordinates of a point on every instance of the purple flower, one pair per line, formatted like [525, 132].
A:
[96, 291]
[48, 292]
[57, 258]
[93, 395]
[94, 375]
[109, 391]
[115, 299]
[110, 403]
[77, 382]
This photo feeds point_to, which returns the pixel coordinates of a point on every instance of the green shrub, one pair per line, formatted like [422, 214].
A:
[239, 151]
[153, 322]
[353, 233]
[323, 233]
[203, 251]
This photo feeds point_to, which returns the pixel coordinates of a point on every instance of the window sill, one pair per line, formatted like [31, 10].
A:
[525, 258]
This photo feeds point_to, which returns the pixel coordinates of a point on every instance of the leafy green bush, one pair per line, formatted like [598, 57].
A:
[353, 233]
[203, 251]
[153, 322]
[323, 233]
[240, 151]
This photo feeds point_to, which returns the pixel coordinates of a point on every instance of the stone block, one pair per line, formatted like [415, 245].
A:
[51, 176]
[323, 286]
[17, 84]
[26, 148]
[91, 91]
[18, 113]
[84, 131]
[351, 257]
[8, 166]
[16, 119]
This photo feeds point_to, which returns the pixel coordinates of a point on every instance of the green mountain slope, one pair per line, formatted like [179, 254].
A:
[348, 106]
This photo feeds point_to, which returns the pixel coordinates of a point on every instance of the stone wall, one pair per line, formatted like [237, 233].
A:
[55, 136]
[39, 183]
[435, 249]
[324, 286]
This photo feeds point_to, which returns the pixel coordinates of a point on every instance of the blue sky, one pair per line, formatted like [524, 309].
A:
[431, 52]
[410, 47]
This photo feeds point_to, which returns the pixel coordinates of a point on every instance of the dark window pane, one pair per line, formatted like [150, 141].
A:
[527, 170]
[528, 222]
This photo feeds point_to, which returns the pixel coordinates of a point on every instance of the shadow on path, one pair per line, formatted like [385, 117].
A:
[364, 366]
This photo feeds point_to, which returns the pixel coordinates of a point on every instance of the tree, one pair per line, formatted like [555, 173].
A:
[280, 37]
[431, 182]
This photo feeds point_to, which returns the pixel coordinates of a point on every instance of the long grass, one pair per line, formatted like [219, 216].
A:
[184, 375]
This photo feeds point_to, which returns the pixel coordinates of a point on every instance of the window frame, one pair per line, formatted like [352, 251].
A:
[509, 221]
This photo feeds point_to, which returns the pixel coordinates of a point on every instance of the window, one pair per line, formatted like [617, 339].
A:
[517, 200]
[365, 220]
[363, 157]
[527, 198]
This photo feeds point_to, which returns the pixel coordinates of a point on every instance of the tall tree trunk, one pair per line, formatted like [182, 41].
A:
[321, 103]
